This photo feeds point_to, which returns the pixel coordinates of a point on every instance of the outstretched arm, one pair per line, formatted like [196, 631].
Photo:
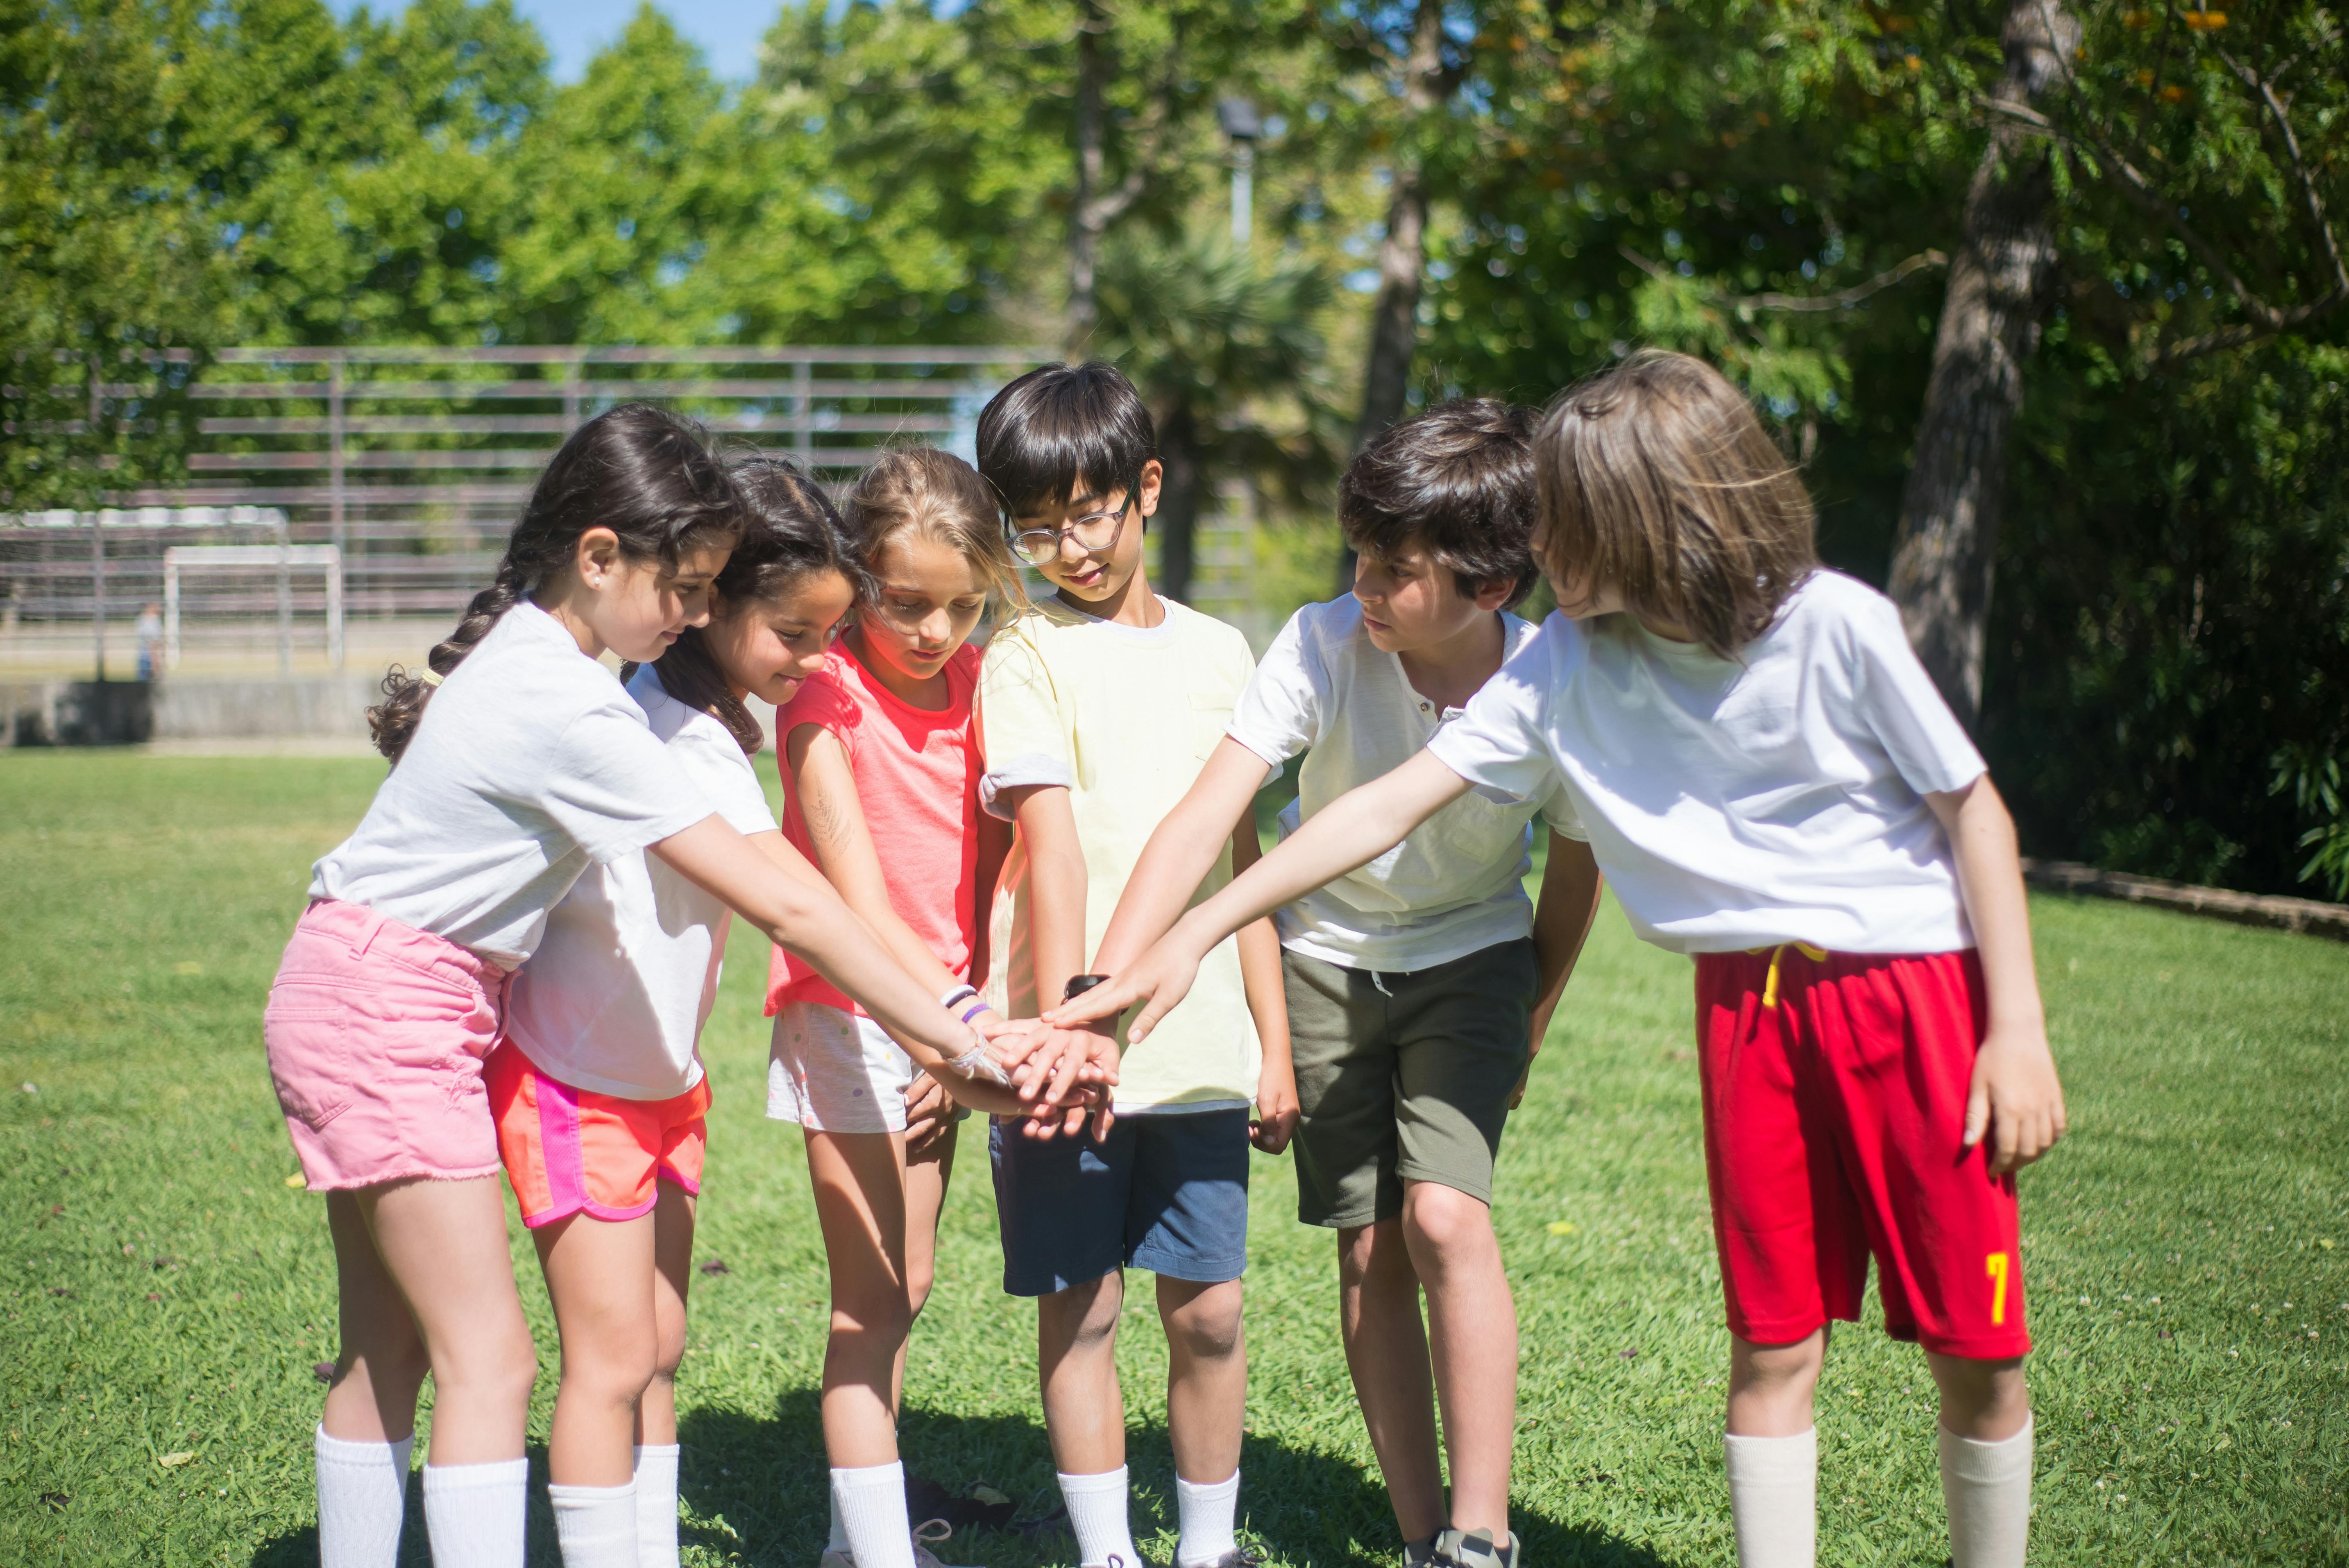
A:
[1181, 852]
[809, 920]
[1358, 826]
[2016, 1097]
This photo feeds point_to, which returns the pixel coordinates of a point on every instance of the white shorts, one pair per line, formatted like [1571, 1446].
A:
[833, 1072]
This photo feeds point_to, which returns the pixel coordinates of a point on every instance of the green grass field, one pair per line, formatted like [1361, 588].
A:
[167, 1294]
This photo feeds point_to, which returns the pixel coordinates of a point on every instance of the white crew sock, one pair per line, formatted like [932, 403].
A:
[1097, 1514]
[656, 1506]
[1773, 1485]
[595, 1525]
[473, 1513]
[1206, 1513]
[362, 1488]
[871, 1503]
[838, 1540]
[1987, 1486]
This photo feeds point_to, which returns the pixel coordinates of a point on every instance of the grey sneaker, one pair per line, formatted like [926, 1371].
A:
[1237, 1557]
[1417, 1553]
[1471, 1548]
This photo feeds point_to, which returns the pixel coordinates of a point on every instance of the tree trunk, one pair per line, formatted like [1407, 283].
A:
[1086, 222]
[1947, 542]
[1402, 254]
[1177, 519]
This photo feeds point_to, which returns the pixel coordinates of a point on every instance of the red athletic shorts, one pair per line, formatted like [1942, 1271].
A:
[1834, 1104]
[572, 1150]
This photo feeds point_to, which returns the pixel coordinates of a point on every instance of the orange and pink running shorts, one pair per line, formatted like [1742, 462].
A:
[572, 1150]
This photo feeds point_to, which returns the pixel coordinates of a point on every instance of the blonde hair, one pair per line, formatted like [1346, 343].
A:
[1656, 479]
[937, 496]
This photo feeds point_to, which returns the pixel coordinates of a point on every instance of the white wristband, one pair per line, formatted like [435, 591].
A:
[957, 994]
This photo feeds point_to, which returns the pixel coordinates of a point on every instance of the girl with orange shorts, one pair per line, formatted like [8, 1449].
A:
[598, 1092]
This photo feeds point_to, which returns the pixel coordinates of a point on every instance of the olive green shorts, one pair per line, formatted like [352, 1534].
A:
[1404, 1077]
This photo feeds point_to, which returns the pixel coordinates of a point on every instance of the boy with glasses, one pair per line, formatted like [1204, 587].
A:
[1096, 710]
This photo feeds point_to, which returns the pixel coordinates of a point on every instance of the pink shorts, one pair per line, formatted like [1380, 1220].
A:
[376, 1034]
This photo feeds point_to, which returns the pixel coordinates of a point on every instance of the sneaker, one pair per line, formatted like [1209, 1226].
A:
[1471, 1548]
[1417, 1553]
[928, 1531]
[1237, 1557]
[840, 1558]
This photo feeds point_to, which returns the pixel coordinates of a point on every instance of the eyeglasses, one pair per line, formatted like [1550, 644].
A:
[1093, 533]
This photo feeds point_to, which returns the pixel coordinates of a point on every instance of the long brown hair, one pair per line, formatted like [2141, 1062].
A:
[646, 474]
[1657, 480]
[791, 533]
[938, 496]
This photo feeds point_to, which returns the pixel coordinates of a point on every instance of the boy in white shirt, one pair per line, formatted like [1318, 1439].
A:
[1095, 712]
[1772, 784]
[1419, 986]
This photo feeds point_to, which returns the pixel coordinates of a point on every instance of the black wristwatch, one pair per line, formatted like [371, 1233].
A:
[1079, 984]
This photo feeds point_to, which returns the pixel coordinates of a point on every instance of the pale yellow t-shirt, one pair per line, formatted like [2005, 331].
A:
[1123, 717]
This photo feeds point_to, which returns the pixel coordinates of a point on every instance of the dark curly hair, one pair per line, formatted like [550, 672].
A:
[648, 475]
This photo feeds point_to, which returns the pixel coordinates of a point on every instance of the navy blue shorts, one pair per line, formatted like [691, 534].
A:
[1165, 1192]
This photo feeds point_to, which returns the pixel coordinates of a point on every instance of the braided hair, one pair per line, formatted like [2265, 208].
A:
[646, 474]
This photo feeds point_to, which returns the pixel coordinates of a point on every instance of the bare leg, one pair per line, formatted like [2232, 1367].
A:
[600, 1275]
[860, 1201]
[1473, 1330]
[672, 1273]
[1771, 1385]
[1076, 1343]
[1206, 1376]
[1984, 1400]
[927, 1175]
[443, 1246]
[1386, 1351]
[380, 1366]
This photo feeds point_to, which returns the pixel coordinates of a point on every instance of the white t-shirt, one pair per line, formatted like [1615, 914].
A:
[530, 762]
[1742, 803]
[1457, 883]
[615, 997]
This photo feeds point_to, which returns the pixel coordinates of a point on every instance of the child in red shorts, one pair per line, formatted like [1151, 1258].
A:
[1769, 783]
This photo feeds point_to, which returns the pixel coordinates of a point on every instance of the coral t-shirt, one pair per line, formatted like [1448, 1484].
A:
[917, 781]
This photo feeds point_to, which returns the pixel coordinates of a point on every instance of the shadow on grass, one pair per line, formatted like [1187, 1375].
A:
[757, 1488]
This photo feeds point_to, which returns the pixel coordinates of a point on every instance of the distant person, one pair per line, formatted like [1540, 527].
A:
[531, 763]
[1096, 710]
[148, 628]
[599, 1093]
[880, 767]
[1771, 783]
[1419, 986]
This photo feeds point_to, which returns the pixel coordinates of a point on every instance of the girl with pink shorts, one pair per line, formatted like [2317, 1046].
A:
[529, 763]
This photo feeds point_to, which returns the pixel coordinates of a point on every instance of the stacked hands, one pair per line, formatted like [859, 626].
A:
[1049, 1079]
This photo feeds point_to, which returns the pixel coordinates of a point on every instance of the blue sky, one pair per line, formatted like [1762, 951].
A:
[727, 30]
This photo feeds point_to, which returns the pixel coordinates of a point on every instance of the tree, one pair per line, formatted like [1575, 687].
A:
[1227, 354]
[2224, 162]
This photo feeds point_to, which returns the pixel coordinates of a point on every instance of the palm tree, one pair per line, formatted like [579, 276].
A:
[1225, 352]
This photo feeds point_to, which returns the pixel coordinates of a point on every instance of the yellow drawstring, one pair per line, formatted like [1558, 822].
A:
[1770, 985]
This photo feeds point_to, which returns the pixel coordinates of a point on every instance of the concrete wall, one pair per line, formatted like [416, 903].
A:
[125, 713]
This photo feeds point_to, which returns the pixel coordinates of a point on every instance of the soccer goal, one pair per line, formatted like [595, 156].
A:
[283, 560]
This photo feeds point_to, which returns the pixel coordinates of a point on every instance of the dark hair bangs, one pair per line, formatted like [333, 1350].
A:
[1061, 427]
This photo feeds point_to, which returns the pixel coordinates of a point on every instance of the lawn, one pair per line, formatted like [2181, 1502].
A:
[168, 1293]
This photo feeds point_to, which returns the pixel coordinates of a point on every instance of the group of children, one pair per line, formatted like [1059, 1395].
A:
[999, 870]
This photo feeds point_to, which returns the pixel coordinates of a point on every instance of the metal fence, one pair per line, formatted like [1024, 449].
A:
[412, 463]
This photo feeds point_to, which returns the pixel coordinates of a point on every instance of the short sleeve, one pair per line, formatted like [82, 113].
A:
[1499, 745]
[1279, 711]
[613, 788]
[1904, 710]
[726, 778]
[823, 702]
[1558, 815]
[1023, 740]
